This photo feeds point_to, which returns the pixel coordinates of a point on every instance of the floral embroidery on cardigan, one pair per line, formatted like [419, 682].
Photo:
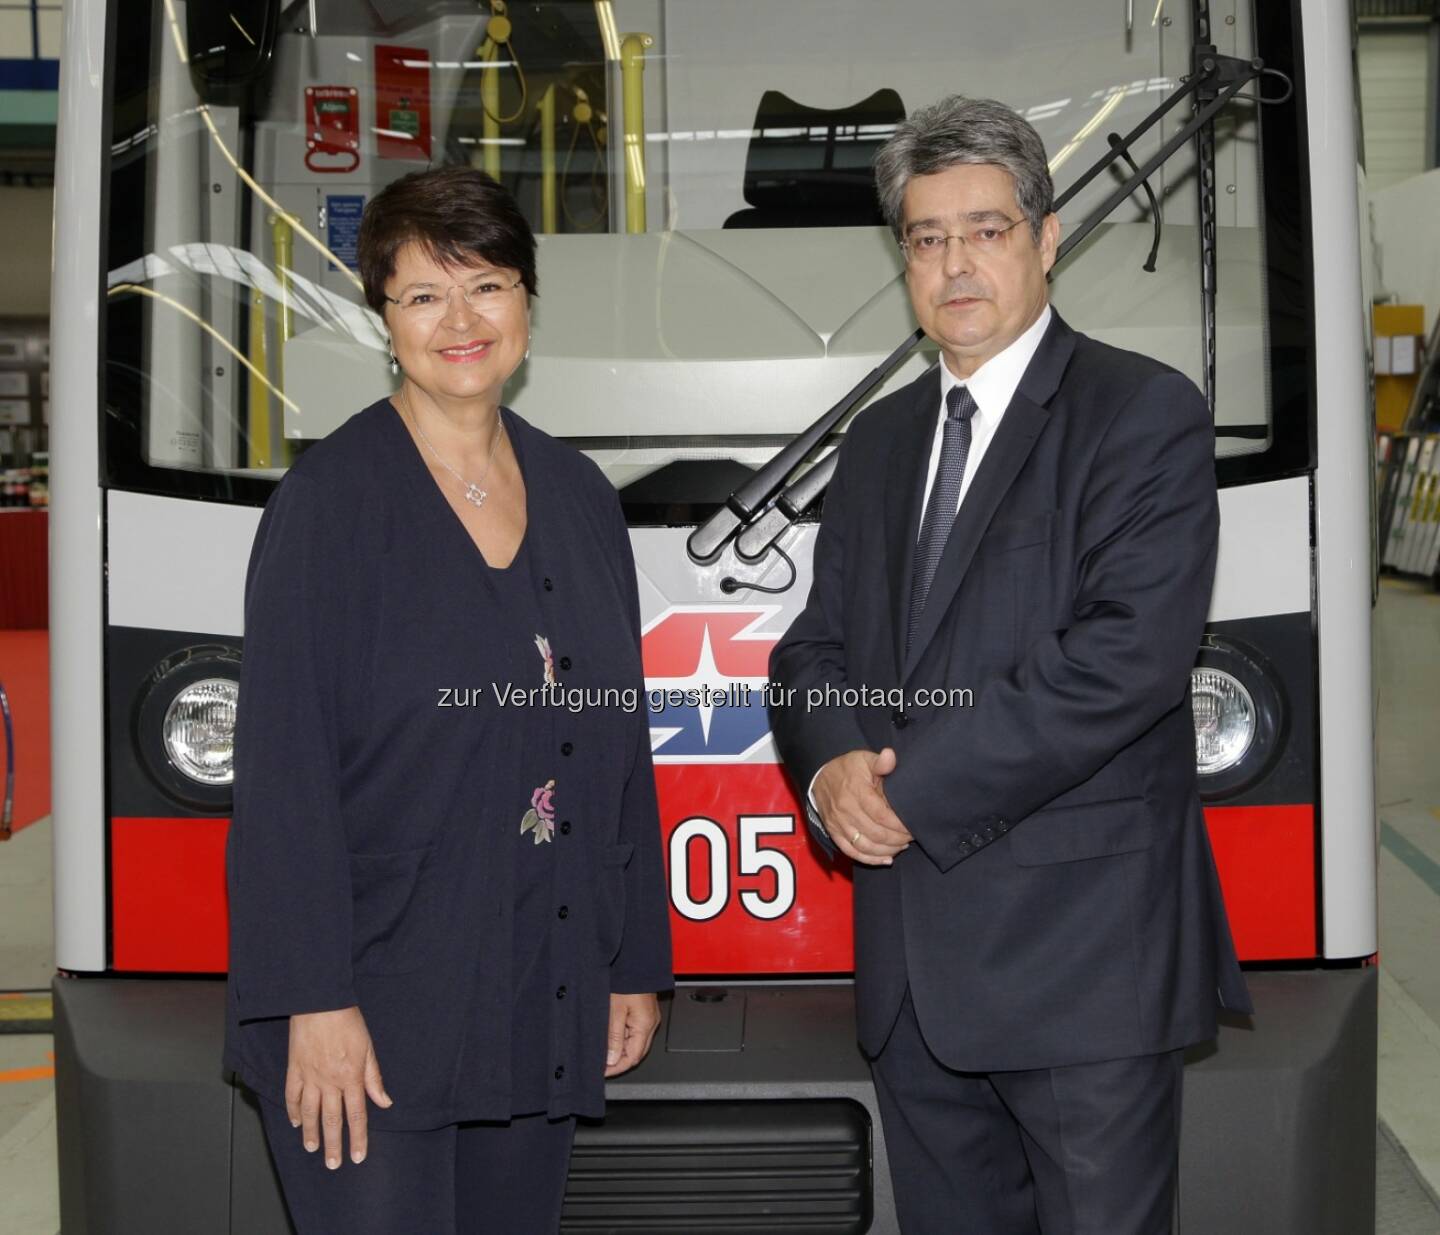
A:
[543, 644]
[540, 818]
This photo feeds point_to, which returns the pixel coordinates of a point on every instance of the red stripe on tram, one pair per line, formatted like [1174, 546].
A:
[168, 903]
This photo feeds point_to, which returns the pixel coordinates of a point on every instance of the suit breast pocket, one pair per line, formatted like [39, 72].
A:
[1074, 833]
[1018, 532]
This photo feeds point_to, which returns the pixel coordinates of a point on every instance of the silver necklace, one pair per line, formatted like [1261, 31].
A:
[474, 494]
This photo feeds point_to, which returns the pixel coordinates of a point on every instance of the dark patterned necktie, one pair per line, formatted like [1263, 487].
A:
[944, 499]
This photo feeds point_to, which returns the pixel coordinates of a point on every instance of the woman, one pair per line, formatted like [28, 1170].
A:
[435, 877]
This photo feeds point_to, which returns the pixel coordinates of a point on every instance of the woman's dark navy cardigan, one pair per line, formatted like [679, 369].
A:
[368, 861]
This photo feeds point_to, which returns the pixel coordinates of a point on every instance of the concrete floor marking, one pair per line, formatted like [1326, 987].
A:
[22, 1006]
[13, 1076]
[1421, 864]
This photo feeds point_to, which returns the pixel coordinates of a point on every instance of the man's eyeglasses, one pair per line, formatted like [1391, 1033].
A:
[926, 246]
[485, 294]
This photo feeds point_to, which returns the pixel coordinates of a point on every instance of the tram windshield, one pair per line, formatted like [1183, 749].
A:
[713, 270]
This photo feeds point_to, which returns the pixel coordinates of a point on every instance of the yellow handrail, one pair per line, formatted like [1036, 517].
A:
[283, 238]
[260, 449]
[489, 103]
[548, 220]
[605, 19]
[632, 85]
[259, 443]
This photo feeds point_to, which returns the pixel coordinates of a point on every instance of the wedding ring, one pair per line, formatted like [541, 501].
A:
[855, 840]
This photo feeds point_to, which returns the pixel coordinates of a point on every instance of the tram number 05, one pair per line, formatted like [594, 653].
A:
[753, 859]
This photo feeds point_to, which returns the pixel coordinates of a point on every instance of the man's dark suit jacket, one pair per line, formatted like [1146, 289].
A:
[1060, 904]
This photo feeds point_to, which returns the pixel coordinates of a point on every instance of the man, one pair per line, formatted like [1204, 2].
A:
[1038, 925]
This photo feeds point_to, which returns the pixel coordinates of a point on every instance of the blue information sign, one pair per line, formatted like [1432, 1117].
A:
[342, 227]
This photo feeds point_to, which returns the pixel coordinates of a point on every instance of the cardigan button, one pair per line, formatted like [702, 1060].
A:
[563, 912]
[899, 719]
[560, 993]
[547, 585]
[564, 662]
[565, 827]
[566, 748]
[560, 1073]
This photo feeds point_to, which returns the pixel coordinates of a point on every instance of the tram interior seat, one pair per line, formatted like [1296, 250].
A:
[809, 167]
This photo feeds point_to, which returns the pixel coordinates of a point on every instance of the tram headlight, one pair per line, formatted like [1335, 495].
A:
[1239, 714]
[184, 725]
[1224, 720]
[199, 730]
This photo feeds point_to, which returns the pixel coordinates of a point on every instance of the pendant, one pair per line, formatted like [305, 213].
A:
[475, 495]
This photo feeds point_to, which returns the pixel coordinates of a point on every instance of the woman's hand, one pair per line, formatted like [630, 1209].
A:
[633, 1022]
[332, 1068]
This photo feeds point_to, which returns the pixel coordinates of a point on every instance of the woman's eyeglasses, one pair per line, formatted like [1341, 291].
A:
[484, 295]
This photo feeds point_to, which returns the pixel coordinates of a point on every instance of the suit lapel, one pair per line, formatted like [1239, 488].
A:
[905, 497]
[1021, 425]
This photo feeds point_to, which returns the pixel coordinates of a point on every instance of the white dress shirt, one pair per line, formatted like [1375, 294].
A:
[992, 386]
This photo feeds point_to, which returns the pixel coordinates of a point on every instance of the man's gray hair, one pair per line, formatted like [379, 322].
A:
[960, 130]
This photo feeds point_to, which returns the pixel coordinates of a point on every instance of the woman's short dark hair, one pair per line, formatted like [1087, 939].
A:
[455, 214]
